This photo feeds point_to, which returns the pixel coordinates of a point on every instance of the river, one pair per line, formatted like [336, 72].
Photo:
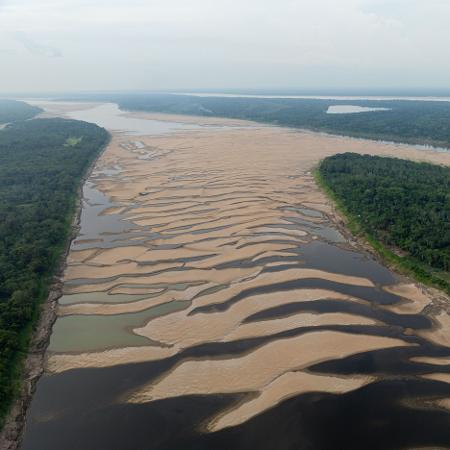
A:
[211, 301]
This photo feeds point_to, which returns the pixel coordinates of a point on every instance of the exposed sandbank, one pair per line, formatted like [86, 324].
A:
[208, 207]
[259, 368]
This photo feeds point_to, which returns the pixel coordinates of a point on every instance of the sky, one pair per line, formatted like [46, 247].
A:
[92, 45]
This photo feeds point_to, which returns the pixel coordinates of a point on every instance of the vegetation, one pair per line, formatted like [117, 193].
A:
[403, 207]
[12, 111]
[39, 177]
[406, 121]
[72, 141]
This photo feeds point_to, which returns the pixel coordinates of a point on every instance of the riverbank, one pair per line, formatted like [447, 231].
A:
[31, 367]
[402, 263]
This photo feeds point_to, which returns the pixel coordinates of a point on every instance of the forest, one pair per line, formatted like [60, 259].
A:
[42, 162]
[12, 111]
[407, 121]
[403, 204]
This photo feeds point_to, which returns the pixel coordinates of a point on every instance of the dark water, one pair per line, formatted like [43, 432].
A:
[374, 417]
[80, 409]
[323, 256]
[414, 321]
[369, 294]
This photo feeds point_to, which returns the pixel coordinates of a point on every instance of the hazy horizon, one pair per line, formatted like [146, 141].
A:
[242, 91]
[292, 45]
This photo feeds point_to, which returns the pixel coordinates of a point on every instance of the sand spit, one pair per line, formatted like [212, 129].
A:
[224, 276]
[179, 330]
[136, 306]
[184, 330]
[415, 299]
[57, 363]
[287, 385]
[80, 256]
[430, 360]
[440, 335]
[197, 120]
[119, 269]
[256, 370]
[444, 377]
[57, 109]
[267, 328]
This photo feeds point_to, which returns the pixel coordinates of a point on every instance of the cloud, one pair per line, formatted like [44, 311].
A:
[36, 48]
[163, 44]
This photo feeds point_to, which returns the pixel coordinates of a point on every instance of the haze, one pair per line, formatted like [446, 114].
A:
[62, 45]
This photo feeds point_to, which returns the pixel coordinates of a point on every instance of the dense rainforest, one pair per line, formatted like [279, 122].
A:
[416, 122]
[402, 204]
[42, 162]
[12, 111]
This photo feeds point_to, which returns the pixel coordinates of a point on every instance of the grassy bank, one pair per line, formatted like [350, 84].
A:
[357, 212]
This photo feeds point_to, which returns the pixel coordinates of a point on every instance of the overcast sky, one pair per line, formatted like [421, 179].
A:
[51, 45]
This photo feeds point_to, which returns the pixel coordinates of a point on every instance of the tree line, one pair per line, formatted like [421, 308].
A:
[403, 204]
[12, 111]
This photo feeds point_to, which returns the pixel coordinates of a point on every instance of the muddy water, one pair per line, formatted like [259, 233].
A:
[230, 312]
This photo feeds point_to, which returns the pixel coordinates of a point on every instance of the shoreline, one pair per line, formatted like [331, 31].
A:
[33, 365]
[439, 299]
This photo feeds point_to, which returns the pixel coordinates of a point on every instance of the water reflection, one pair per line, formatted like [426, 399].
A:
[109, 116]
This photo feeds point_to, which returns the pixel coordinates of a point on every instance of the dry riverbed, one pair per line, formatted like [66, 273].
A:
[210, 258]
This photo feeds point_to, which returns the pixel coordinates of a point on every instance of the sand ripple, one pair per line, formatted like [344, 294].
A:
[217, 220]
